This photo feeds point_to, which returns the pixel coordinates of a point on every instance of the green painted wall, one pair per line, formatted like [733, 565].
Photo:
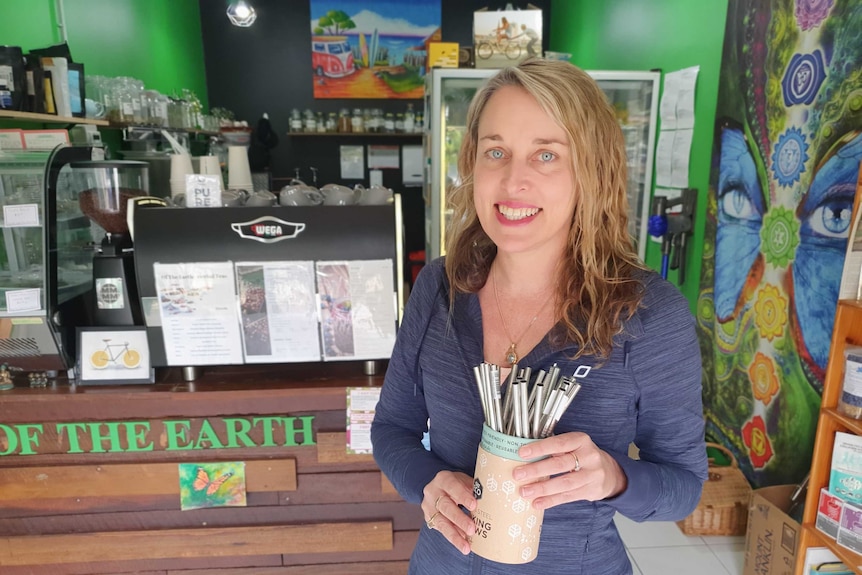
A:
[664, 34]
[157, 41]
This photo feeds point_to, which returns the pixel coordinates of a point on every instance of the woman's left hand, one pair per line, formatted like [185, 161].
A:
[576, 470]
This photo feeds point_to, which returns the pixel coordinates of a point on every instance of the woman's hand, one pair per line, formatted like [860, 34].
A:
[440, 504]
[576, 470]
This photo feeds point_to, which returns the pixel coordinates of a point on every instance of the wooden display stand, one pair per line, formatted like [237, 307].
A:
[848, 330]
[101, 505]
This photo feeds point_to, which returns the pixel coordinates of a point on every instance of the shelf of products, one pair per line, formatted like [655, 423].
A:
[48, 118]
[847, 331]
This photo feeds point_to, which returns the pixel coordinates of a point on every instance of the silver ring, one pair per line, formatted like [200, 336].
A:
[430, 522]
[577, 461]
[437, 502]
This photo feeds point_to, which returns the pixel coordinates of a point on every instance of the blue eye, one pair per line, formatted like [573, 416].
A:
[547, 156]
[832, 219]
[735, 203]
[495, 154]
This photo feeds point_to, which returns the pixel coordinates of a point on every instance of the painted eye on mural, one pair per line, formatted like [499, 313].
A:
[740, 213]
[824, 217]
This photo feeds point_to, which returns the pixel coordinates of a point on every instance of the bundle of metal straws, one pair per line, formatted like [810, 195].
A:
[523, 410]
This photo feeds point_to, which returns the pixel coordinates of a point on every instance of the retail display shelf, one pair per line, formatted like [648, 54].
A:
[48, 118]
[847, 556]
[847, 330]
[851, 425]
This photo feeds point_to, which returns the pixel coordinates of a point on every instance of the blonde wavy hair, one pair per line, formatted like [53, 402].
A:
[598, 286]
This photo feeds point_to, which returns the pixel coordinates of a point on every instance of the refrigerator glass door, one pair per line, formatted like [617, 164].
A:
[634, 96]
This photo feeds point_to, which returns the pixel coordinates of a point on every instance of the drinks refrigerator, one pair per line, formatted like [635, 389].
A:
[448, 92]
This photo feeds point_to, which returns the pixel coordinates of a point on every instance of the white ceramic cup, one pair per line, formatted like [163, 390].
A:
[232, 198]
[261, 199]
[376, 196]
[238, 170]
[300, 196]
[338, 195]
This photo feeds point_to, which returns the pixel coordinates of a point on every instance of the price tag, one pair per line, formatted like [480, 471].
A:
[23, 300]
[203, 191]
[21, 216]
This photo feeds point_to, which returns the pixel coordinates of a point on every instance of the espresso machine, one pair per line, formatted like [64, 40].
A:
[105, 191]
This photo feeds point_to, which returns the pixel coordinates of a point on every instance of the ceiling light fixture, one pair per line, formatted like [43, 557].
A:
[241, 14]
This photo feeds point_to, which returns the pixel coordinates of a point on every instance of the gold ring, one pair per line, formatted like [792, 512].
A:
[436, 503]
[577, 461]
[430, 522]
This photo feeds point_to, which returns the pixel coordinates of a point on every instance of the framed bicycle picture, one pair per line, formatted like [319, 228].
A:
[115, 355]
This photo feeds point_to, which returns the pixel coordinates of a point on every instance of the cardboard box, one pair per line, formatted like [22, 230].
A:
[772, 537]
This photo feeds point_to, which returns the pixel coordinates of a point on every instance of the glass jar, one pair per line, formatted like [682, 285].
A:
[331, 123]
[295, 120]
[409, 119]
[399, 122]
[389, 123]
[418, 124]
[344, 121]
[357, 124]
[309, 123]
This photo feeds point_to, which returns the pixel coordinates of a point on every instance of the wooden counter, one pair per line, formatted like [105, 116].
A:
[89, 478]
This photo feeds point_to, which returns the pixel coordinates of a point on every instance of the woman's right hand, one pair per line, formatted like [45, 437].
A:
[441, 505]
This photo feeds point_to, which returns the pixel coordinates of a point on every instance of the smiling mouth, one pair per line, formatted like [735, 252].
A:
[515, 214]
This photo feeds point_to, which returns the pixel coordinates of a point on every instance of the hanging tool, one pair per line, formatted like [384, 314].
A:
[673, 228]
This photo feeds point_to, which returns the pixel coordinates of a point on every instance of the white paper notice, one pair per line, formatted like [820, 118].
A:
[664, 158]
[278, 309]
[361, 403]
[357, 307]
[21, 216]
[197, 304]
[681, 154]
[380, 157]
[685, 97]
[352, 162]
[21, 300]
[667, 106]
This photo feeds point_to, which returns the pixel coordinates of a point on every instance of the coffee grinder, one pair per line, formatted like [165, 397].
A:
[105, 189]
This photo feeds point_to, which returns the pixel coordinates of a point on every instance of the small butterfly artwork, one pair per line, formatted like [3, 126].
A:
[212, 485]
[203, 482]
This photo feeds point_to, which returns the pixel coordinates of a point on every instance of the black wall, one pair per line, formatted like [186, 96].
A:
[267, 68]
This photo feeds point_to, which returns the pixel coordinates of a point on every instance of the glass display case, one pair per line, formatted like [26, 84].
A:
[46, 257]
[448, 92]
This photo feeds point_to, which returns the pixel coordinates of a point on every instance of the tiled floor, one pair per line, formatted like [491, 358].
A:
[659, 548]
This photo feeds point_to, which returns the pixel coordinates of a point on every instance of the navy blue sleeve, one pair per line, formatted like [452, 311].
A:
[400, 418]
[666, 482]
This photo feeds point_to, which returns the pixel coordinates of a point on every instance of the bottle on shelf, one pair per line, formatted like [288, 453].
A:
[409, 119]
[344, 121]
[357, 124]
[295, 121]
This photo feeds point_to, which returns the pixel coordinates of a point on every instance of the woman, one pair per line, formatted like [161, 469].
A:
[541, 270]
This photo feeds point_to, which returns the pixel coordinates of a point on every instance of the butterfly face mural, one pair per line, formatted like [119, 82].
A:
[786, 158]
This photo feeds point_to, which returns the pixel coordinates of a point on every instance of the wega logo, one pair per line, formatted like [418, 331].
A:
[267, 229]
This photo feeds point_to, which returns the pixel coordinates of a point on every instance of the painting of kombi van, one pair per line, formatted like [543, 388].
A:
[372, 48]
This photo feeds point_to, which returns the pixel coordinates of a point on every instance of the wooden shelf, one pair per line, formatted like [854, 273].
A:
[48, 118]
[817, 538]
[847, 330]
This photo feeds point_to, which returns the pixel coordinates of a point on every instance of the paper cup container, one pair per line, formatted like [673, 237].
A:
[210, 167]
[507, 526]
[238, 170]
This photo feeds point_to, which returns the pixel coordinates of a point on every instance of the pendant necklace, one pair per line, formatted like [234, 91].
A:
[512, 351]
